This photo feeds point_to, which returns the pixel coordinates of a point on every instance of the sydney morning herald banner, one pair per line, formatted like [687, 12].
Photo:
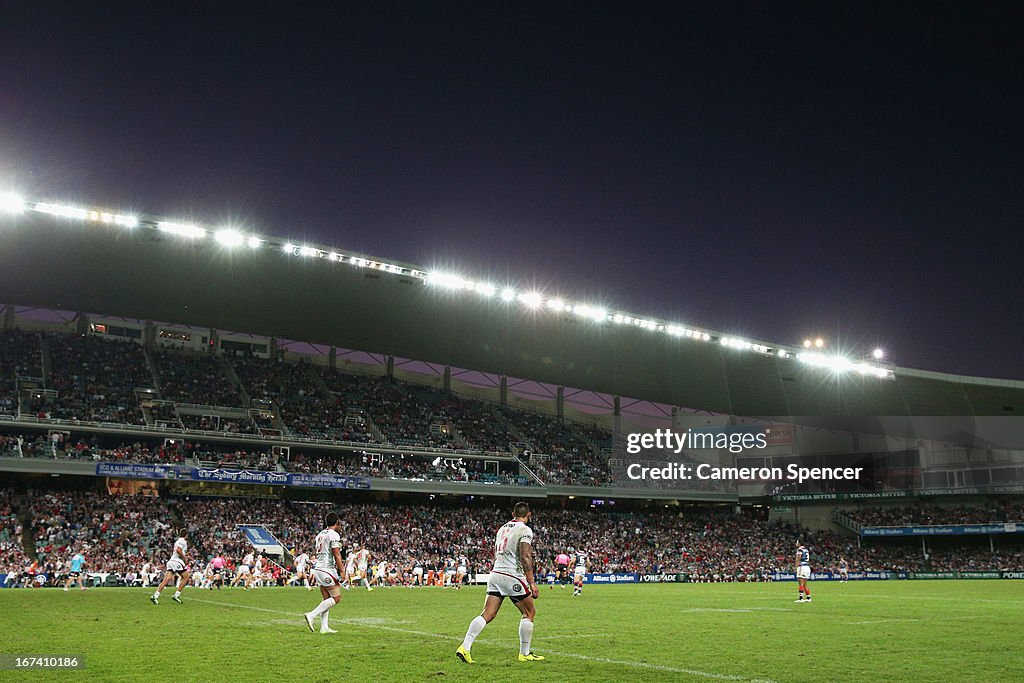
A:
[139, 471]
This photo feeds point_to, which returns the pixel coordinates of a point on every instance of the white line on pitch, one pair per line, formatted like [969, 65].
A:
[572, 655]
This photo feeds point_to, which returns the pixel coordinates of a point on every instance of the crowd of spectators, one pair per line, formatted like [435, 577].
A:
[20, 355]
[415, 468]
[194, 378]
[95, 379]
[928, 515]
[123, 532]
[217, 423]
[118, 532]
[12, 551]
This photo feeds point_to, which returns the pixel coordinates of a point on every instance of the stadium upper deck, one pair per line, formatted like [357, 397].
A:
[85, 259]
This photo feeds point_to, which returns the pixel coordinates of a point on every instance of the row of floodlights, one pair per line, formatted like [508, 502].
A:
[231, 237]
[228, 237]
[536, 301]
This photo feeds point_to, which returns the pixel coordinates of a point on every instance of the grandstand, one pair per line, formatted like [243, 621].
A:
[378, 386]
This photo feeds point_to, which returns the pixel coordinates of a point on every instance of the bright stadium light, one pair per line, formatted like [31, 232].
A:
[532, 299]
[308, 251]
[229, 237]
[127, 221]
[508, 294]
[819, 343]
[254, 242]
[556, 304]
[447, 280]
[486, 289]
[62, 210]
[288, 248]
[182, 229]
[878, 354]
[595, 313]
[808, 343]
[11, 203]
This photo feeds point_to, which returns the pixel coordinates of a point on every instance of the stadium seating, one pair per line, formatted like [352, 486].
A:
[95, 379]
[192, 378]
[932, 514]
[20, 355]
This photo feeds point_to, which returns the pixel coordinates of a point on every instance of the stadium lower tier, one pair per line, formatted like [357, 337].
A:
[126, 536]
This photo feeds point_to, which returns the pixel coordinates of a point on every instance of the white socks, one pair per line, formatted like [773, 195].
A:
[327, 604]
[475, 627]
[323, 620]
[525, 636]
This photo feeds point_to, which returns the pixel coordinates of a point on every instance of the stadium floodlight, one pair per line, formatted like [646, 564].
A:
[254, 242]
[878, 354]
[819, 343]
[448, 281]
[11, 203]
[556, 304]
[126, 221]
[182, 229]
[532, 299]
[595, 313]
[508, 294]
[308, 251]
[783, 353]
[62, 210]
[808, 343]
[486, 289]
[229, 237]
[288, 248]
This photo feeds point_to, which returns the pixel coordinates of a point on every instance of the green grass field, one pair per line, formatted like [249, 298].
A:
[863, 631]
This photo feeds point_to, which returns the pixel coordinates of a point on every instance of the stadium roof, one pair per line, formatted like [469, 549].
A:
[77, 259]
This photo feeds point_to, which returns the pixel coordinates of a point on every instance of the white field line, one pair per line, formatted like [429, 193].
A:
[572, 655]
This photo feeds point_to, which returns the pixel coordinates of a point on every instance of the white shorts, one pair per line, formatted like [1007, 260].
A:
[803, 572]
[300, 570]
[362, 568]
[418, 571]
[325, 577]
[176, 566]
[462, 570]
[243, 570]
[579, 571]
[449, 572]
[507, 586]
[350, 569]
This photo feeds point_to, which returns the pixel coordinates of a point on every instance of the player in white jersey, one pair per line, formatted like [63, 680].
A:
[844, 570]
[257, 572]
[417, 574]
[325, 572]
[582, 562]
[244, 572]
[177, 566]
[301, 573]
[803, 572]
[461, 569]
[147, 568]
[380, 573]
[511, 577]
[362, 559]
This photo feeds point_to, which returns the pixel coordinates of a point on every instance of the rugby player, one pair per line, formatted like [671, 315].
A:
[325, 572]
[177, 566]
[511, 577]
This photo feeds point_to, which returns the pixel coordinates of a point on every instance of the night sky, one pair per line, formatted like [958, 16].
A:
[775, 170]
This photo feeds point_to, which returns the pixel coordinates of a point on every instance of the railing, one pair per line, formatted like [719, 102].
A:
[841, 519]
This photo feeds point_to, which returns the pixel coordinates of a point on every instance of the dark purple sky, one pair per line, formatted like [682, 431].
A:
[773, 171]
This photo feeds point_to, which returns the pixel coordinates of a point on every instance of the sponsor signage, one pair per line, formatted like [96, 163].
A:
[242, 476]
[942, 530]
[328, 481]
[869, 495]
[659, 578]
[611, 578]
[836, 576]
[127, 470]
